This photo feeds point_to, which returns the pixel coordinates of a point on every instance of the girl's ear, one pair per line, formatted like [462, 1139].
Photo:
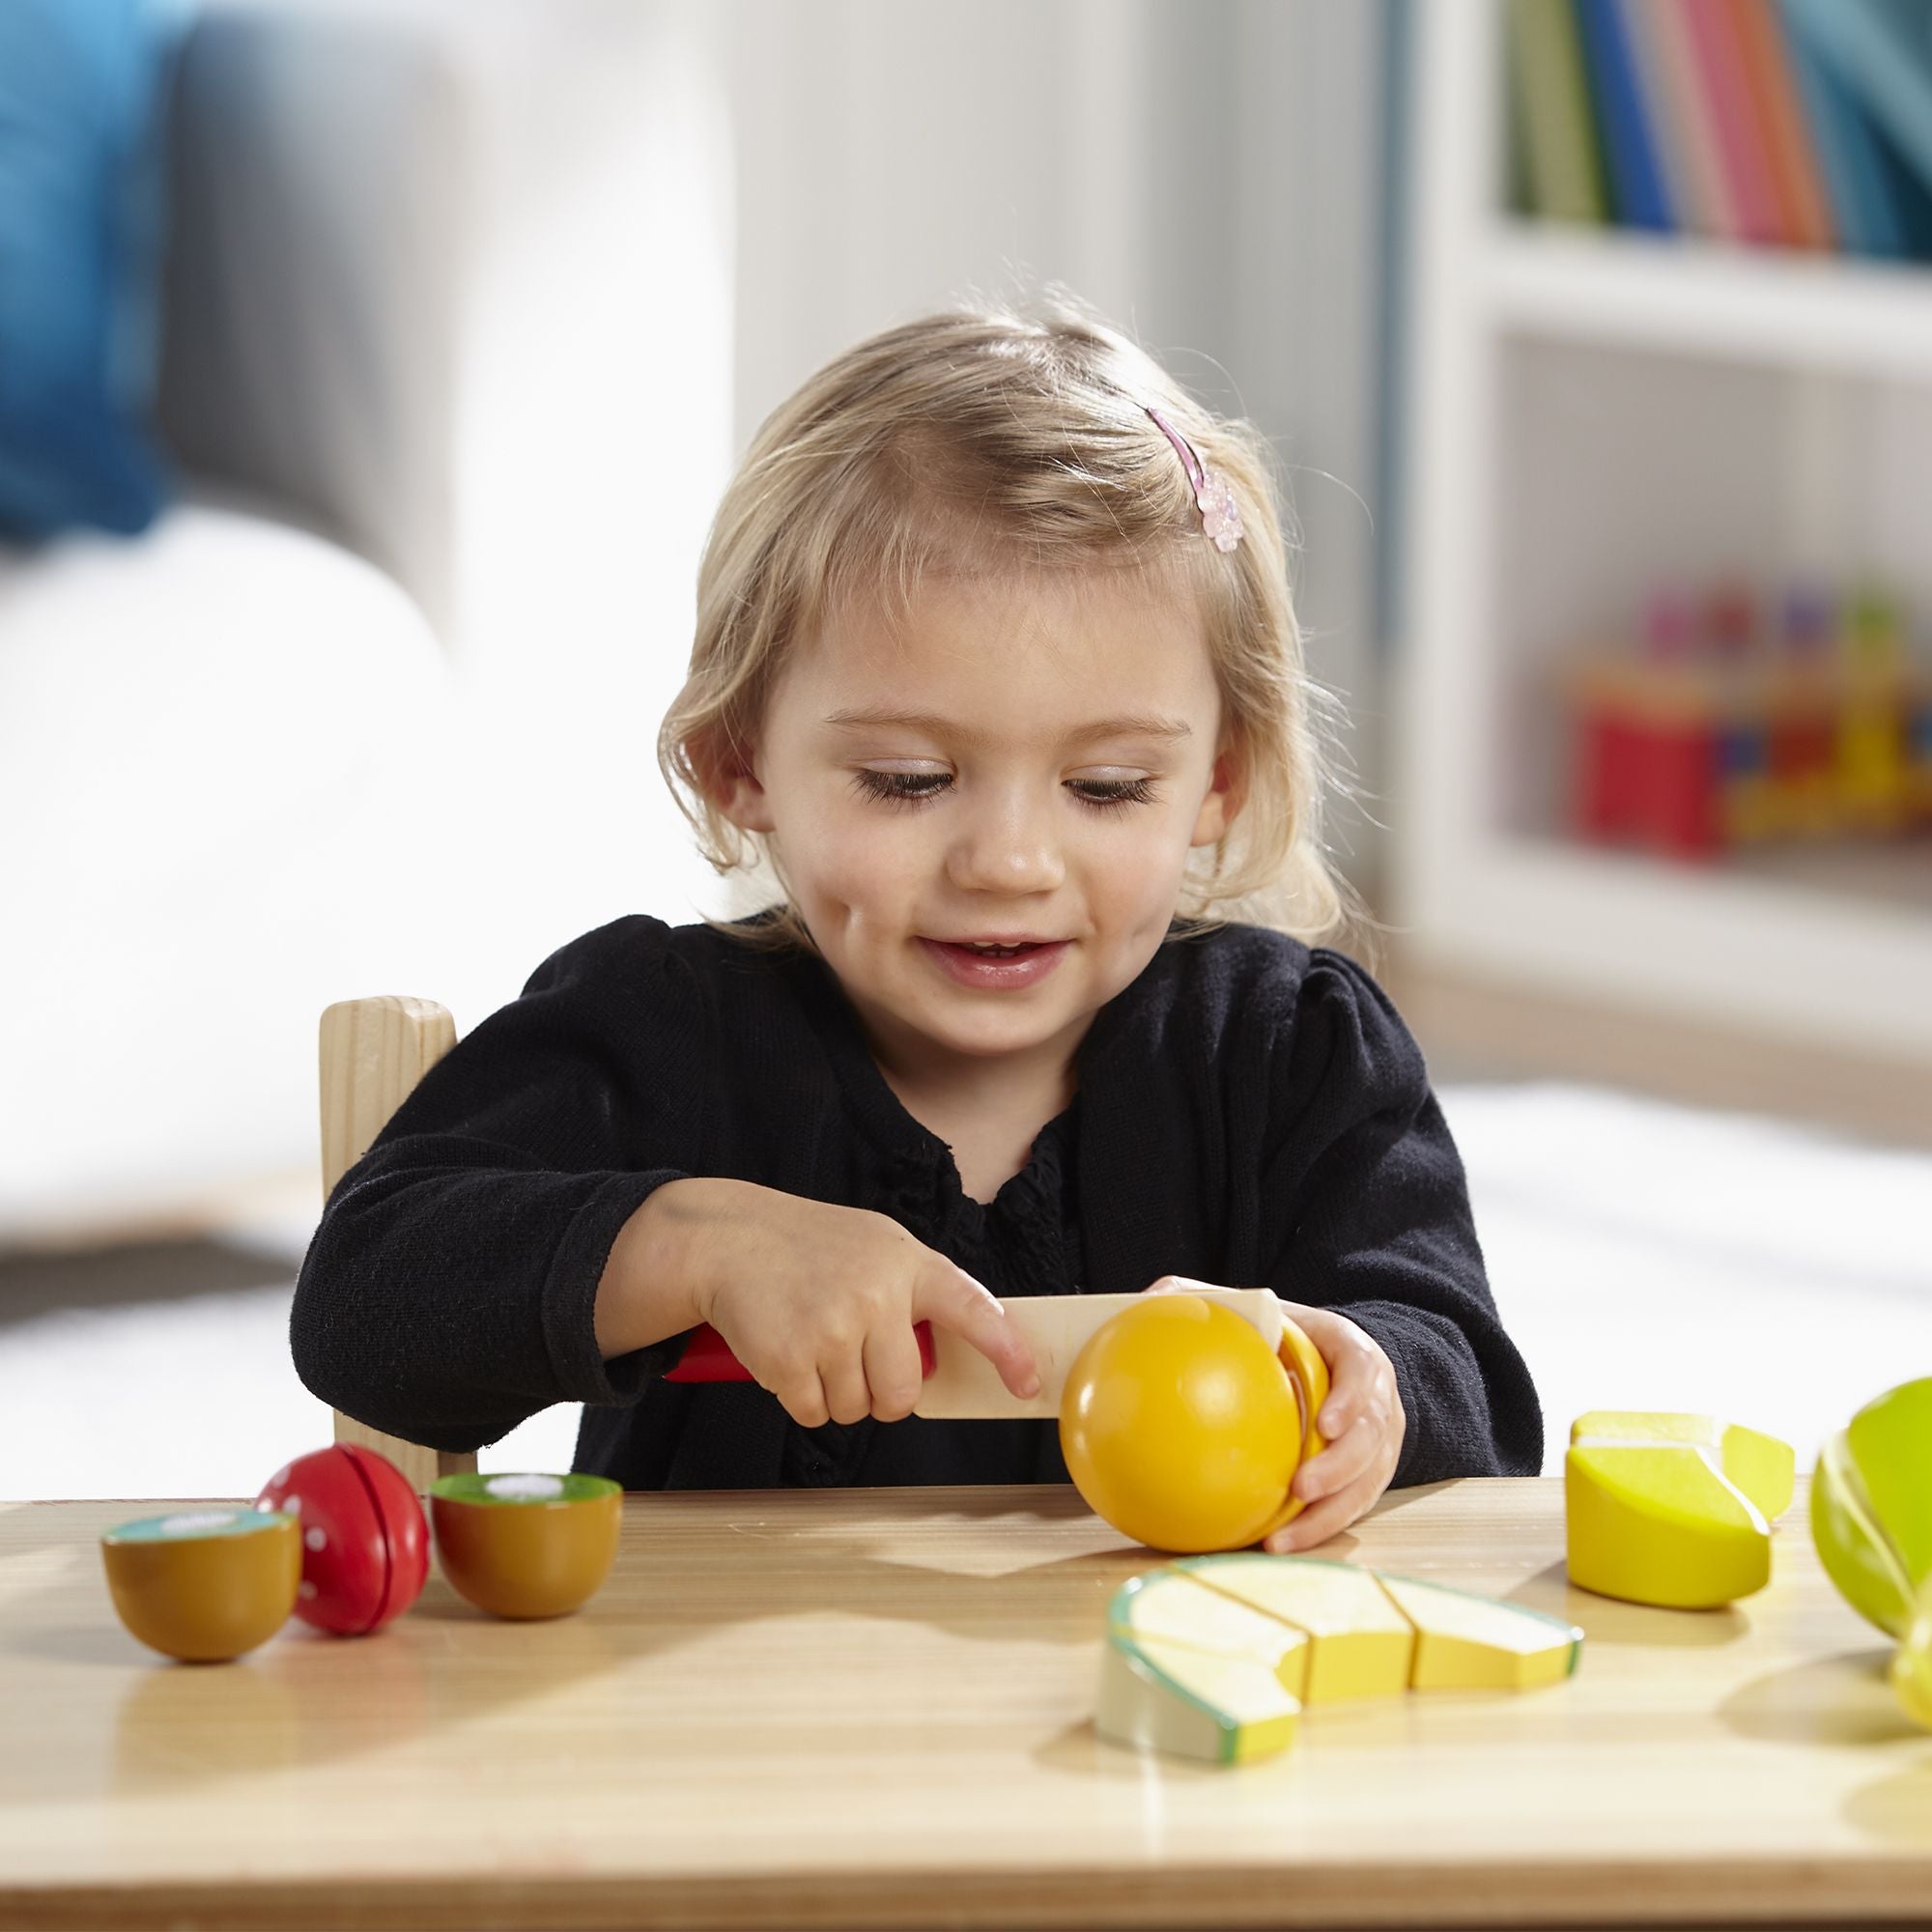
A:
[727, 769]
[1227, 793]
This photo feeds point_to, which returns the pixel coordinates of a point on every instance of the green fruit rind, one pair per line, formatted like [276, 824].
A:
[1911, 1667]
[1851, 1544]
[1891, 1441]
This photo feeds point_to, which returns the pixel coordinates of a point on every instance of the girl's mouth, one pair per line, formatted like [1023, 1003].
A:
[997, 967]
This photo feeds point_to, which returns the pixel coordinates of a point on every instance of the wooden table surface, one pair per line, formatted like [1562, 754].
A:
[874, 1707]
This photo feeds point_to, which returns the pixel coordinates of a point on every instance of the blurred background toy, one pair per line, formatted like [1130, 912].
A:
[1720, 730]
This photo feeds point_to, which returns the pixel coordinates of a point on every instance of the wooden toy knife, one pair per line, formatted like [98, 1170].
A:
[961, 1384]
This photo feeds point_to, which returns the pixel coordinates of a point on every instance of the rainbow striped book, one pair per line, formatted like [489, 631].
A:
[1740, 143]
[1880, 52]
[1805, 215]
[1660, 33]
[1551, 100]
[1638, 191]
[1855, 176]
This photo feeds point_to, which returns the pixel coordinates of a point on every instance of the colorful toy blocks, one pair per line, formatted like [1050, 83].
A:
[1713, 736]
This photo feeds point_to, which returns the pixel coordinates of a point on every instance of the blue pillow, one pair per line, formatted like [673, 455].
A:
[82, 162]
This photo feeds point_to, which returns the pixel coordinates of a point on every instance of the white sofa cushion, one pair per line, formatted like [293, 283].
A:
[192, 869]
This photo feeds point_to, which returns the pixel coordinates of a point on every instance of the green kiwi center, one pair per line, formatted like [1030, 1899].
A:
[185, 1525]
[514, 1490]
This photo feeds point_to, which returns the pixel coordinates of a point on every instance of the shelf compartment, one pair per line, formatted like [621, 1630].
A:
[1762, 948]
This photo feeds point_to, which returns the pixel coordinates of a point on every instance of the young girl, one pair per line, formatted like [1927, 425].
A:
[996, 671]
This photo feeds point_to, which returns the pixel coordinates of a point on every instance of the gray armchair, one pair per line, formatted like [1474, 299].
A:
[447, 371]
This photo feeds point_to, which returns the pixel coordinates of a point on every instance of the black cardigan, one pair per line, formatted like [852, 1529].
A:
[1250, 1112]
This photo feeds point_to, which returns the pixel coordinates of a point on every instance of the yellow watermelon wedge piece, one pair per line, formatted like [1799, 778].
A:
[1169, 1607]
[1470, 1642]
[1360, 1645]
[1158, 1695]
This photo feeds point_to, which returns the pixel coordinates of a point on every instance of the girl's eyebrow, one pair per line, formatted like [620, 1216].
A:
[1132, 725]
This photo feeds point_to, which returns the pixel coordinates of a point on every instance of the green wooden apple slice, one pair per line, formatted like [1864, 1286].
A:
[1911, 1667]
[1871, 1506]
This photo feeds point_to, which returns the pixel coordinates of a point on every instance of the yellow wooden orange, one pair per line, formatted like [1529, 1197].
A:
[1180, 1426]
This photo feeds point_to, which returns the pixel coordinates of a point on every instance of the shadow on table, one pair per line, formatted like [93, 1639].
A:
[1837, 1701]
[1897, 1809]
[1608, 1620]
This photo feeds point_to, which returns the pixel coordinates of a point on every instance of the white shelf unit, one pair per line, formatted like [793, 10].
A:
[1589, 413]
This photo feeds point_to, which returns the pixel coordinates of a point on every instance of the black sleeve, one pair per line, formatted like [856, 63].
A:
[449, 1291]
[1379, 1228]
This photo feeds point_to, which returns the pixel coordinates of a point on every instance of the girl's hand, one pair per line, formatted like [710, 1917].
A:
[1362, 1420]
[818, 1302]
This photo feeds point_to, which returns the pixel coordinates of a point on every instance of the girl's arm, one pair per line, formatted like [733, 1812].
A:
[533, 1226]
[1380, 1230]
[453, 1286]
[818, 1302]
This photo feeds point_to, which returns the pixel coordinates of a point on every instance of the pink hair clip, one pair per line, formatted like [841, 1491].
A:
[1214, 496]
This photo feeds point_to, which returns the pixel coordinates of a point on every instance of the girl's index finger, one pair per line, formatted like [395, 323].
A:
[952, 1299]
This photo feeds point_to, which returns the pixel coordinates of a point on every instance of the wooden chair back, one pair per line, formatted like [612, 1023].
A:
[373, 1054]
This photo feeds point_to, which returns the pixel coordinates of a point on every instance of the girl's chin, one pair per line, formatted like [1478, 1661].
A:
[987, 1035]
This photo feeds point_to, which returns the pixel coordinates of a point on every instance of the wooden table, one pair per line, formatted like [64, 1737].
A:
[872, 1707]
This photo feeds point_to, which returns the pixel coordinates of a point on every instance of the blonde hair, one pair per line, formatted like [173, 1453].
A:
[987, 439]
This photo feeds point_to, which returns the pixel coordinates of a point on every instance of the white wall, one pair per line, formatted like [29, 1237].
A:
[1205, 173]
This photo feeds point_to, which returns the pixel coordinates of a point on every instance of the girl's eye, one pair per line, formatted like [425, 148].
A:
[902, 787]
[1106, 793]
[912, 787]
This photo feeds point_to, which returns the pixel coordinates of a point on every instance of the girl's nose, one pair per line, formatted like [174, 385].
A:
[1008, 847]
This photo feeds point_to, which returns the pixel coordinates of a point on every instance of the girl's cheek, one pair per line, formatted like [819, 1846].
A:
[855, 860]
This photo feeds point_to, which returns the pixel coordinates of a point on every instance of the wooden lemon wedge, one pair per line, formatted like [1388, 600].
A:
[1669, 1509]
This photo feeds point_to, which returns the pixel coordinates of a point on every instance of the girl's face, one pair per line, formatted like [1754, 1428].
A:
[1026, 764]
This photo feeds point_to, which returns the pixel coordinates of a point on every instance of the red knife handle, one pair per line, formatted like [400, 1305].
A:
[708, 1359]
